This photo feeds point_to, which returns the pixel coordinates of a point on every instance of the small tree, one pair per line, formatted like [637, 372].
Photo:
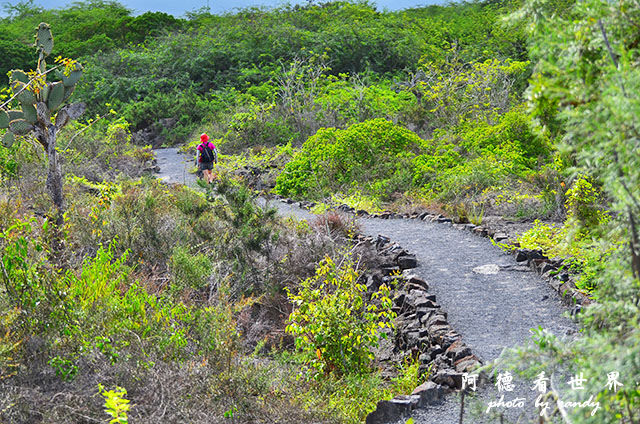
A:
[41, 111]
[334, 321]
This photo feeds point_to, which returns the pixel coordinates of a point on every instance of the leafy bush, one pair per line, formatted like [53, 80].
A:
[116, 405]
[335, 323]
[475, 155]
[577, 239]
[334, 160]
[189, 271]
[584, 204]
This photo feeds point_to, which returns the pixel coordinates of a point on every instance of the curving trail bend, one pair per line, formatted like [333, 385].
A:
[490, 302]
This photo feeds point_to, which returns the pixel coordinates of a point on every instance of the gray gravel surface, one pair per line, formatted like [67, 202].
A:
[491, 303]
[174, 167]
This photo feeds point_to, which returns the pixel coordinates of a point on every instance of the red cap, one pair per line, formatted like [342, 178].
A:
[204, 138]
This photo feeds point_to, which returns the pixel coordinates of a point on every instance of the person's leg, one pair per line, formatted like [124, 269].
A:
[207, 173]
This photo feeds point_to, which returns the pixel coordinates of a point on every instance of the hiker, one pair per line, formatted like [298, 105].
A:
[207, 156]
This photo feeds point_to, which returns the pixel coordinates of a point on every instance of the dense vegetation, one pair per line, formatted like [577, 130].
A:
[153, 288]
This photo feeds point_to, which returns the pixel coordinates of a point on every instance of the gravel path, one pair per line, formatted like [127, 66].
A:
[491, 303]
[174, 167]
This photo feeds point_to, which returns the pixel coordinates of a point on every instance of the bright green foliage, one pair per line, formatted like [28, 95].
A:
[200, 69]
[189, 270]
[335, 323]
[476, 155]
[65, 369]
[576, 240]
[374, 151]
[380, 158]
[115, 405]
[101, 308]
[452, 91]
[583, 254]
[85, 28]
[584, 204]
[351, 100]
[584, 91]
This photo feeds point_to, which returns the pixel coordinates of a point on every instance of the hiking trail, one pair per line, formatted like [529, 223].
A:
[490, 301]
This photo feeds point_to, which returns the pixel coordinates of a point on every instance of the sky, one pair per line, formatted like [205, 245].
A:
[179, 7]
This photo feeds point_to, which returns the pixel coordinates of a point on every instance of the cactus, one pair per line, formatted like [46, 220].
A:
[74, 76]
[56, 96]
[15, 114]
[72, 111]
[20, 127]
[43, 113]
[8, 139]
[19, 75]
[36, 111]
[22, 93]
[67, 92]
[44, 39]
[44, 93]
[27, 98]
[4, 119]
[30, 115]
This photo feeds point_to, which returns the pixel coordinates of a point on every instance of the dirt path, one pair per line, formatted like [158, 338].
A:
[491, 303]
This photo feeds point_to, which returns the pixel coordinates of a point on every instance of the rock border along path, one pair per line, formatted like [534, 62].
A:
[491, 301]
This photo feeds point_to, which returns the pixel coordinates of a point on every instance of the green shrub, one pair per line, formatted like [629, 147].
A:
[190, 202]
[115, 405]
[334, 322]
[335, 159]
[465, 160]
[189, 270]
[584, 204]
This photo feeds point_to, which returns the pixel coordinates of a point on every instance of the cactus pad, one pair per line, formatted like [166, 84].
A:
[73, 77]
[44, 93]
[20, 127]
[62, 118]
[4, 119]
[8, 139]
[67, 92]
[15, 114]
[27, 98]
[44, 39]
[19, 75]
[56, 96]
[75, 110]
[44, 116]
[29, 112]
[24, 95]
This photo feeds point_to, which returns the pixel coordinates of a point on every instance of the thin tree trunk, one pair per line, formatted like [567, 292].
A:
[54, 176]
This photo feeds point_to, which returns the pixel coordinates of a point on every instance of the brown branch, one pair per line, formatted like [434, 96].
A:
[635, 246]
[626, 396]
[611, 55]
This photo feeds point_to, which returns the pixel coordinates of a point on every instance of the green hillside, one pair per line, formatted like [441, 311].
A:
[115, 287]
